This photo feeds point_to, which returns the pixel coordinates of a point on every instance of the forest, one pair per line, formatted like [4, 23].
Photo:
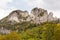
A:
[31, 31]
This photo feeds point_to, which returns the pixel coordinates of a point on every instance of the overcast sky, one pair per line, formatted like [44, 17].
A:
[6, 6]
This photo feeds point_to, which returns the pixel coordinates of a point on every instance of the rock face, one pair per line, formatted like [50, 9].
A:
[13, 17]
[50, 17]
[16, 16]
[42, 15]
[4, 31]
[37, 15]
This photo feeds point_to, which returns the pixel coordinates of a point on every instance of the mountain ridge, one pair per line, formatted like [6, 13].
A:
[21, 18]
[38, 15]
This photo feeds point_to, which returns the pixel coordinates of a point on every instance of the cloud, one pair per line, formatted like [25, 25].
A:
[4, 13]
[34, 2]
[27, 4]
[46, 4]
[6, 6]
[3, 5]
[52, 4]
[5, 9]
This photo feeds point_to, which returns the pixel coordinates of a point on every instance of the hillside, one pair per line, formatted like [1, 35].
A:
[38, 25]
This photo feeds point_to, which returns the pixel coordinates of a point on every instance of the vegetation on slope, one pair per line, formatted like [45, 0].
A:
[31, 31]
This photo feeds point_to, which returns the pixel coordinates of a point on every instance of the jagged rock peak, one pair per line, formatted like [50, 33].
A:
[16, 15]
[37, 15]
[37, 11]
[18, 11]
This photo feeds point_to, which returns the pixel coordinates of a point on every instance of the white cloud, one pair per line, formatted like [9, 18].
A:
[34, 3]
[4, 13]
[3, 5]
[50, 5]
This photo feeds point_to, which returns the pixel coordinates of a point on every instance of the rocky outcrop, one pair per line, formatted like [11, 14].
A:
[42, 15]
[37, 15]
[4, 31]
[18, 15]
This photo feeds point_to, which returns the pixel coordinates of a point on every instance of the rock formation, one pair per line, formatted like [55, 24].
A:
[42, 15]
[37, 16]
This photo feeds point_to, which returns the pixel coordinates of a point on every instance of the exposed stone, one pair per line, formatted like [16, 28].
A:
[16, 16]
[13, 17]
[37, 15]
[40, 15]
[4, 31]
[50, 17]
[35, 11]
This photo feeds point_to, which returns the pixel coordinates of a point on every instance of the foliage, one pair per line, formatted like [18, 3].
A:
[31, 31]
